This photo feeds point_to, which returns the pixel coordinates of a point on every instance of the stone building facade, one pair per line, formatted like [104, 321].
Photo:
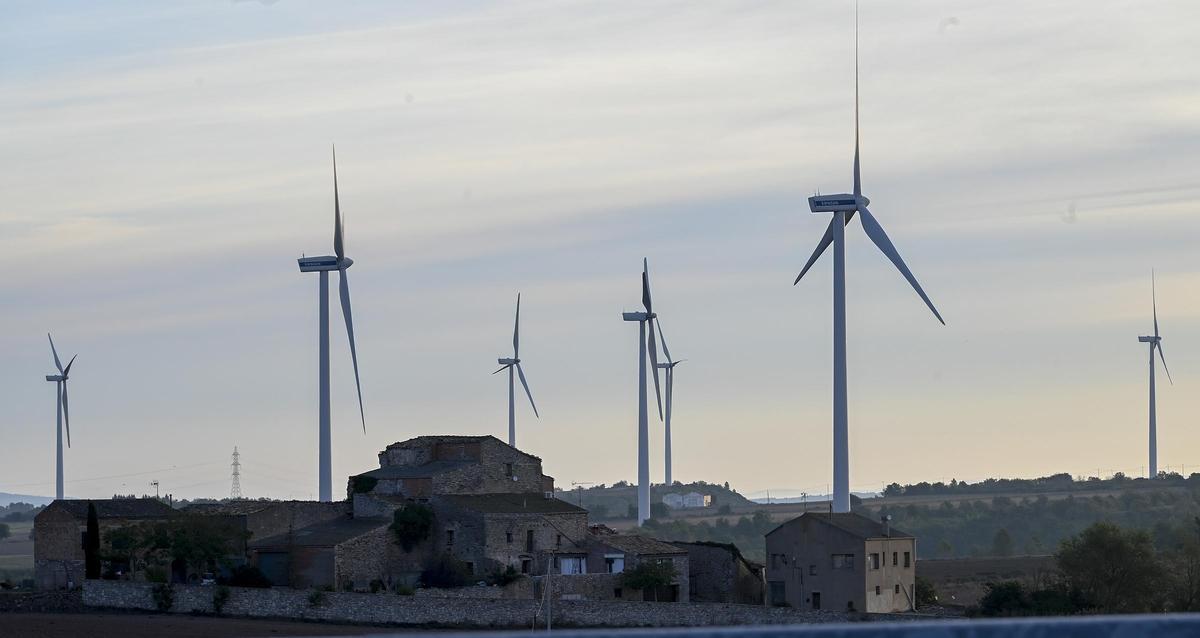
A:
[59, 530]
[613, 553]
[718, 573]
[841, 562]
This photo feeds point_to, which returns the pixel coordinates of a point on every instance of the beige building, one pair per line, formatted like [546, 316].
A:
[841, 562]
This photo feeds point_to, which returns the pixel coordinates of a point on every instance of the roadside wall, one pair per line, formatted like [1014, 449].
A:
[452, 612]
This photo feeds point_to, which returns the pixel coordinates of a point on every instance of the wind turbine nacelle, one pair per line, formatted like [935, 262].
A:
[54, 377]
[508, 362]
[1142, 339]
[318, 264]
[834, 203]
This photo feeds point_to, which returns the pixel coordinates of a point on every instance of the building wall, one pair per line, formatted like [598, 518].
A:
[889, 576]
[803, 545]
[58, 546]
[281, 517]
[716, 575]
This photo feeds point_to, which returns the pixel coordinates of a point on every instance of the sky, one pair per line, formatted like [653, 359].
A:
[163, 165]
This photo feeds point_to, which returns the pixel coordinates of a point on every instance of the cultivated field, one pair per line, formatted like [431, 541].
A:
[16, 553]
[175, 626]
[962, 581]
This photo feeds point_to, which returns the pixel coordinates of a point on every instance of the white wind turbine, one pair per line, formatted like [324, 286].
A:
[339, 262]
[64, 417]
[643, 319]
[1155, 342]
[509, 364]
[843, 206]
[668, 368]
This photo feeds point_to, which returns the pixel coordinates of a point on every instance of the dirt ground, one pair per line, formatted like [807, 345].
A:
[154, 625]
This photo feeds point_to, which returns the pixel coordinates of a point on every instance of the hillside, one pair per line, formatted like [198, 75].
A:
[613, 503]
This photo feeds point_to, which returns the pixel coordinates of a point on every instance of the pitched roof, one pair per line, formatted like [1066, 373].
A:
[416, 471]
[519, 503]
[637, 544]
[235, 508]
[326, 534]
[116, 507]
[851, 523]
[729, 547]
[453, 438]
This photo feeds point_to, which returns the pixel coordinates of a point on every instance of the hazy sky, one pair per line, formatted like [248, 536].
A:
[163, 165]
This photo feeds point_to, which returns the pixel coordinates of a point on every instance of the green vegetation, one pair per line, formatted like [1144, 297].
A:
[5, 532]
[220, 597]
[925, 593]
[91, 544]
[200, 543]
[412, 524]
[316, 598]
[164, 596]
[1054, 483]
[503, 577]
[445, 572]
[616, 501]
[649, 575]
[747, 532]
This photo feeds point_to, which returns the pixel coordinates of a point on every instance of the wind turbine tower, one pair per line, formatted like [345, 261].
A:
[64, 415]
[509, 364]
[644, 319]
[323, 265]
[1155, 342]
[844, 206]
[668, 368]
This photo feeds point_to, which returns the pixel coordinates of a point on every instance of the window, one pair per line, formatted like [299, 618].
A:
[778, 592]
[529, 540]
[874, 561]
[573, 565]
[449, 538]
[508, 537]
[812, 570]
[894, 563]
[614, 563]
[877, 590]
[907, 559]
[843, 561]
[526, 565]
[470, 568]
[617, 592]
[897, 590]
[558, 540]
[508, 471]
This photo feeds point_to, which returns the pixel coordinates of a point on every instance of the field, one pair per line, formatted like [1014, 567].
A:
[16, 553]
[153, 625]
[962, 581]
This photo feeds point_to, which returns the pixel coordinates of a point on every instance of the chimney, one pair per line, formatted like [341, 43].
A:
[887, 525]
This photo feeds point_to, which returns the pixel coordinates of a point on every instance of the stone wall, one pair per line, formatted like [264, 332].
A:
[427, 610]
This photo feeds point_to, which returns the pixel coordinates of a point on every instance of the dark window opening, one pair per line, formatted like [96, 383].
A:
[508, 470]
[529, 540]
[894, 563]
[526, 564]
[877, 590]
[874, 561]
[617, 592]
[558, 540]
[907, 559]
[897, 590]
[449, 538]
[470, 568]
[812, 570]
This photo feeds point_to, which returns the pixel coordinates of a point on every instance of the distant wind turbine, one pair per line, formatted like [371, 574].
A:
[843, 206]
[1155, 342]
[643, 319]
[668, 368]
[64, 416]
[509, 364]
[339, 262]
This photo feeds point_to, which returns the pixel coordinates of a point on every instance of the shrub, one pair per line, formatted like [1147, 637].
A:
[248, 576]
[156, 574]
[316, 598]
[649, 575]
[504, 577]
[377, 585]
[164, 596]
[220, 597]
[403, 590]
[445, 572]
[412, 524]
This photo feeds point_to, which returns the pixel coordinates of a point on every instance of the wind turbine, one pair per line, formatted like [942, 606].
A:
[843, 206]
[644, 318]
[1155, 342]
[323, 265]
[64, 417]
[668, 368]
[510, 364]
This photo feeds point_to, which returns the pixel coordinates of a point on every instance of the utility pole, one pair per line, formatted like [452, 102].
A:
[235, 492]
[154, 484]
[579, 489]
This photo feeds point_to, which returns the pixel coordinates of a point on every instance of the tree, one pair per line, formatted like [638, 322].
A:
[412, 524]
[5, 532]
[925, 593]
[445, 571]
[1184, 565]
[659, 510]
[1115, 570]
[1007, 598]
[1002, 543]
[91, 544]
[649, 575]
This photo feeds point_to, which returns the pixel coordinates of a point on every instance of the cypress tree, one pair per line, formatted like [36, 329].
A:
[91, 544]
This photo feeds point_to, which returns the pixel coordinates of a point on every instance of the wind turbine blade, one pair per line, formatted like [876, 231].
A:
[653, 348]
[57, 363]
[826, 240]
[877, 235]
[857, 173]
[1158, 344]
[646, 285]
[502, 369]
[66, 413]
[67, 371]
[344, 291]
[1154, 305]
[524, 384]
[338, 249]
[517, 329]
[662, 338]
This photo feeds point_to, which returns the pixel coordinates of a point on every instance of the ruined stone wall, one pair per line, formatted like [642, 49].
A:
[552, 533]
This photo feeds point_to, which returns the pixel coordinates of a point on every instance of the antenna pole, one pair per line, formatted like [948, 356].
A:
[235, 491]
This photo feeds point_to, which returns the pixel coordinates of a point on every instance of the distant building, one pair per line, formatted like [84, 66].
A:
[718, 573]
[693, 500]
[673, 501]
[839, 562]
[59, 531]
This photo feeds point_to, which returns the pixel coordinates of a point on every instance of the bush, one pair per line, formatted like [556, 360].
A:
[1115, 569]
[5, 531]
[926, 594]
[248, 576]
[1007, 598]
[316, 598]
[445, 572]
[376, 586]
[412, 525]
[220, 597]
[504, 577]
[156, 574]
[649, 575]
[403, 590]
[164, 596]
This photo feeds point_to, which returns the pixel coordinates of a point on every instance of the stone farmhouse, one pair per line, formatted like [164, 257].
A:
[719, 573]
[841, 562]
[60, 528]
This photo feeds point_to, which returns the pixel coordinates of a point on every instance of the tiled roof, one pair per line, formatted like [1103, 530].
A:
[416, 471]
[452, 438]
[117, 508]
[235, 508]
[852, 523]
[637, 544]
[534, 503]
[326, 534]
